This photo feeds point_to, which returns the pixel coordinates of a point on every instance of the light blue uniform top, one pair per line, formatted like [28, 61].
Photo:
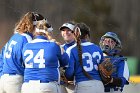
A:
[42, 60]
[67, 45]
[91, 57]
[13, 63]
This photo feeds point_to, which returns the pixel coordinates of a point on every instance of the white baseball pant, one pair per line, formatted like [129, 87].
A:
[34, 86]
[11, 83]
[67, 88]
[91, 86]
[112, 91]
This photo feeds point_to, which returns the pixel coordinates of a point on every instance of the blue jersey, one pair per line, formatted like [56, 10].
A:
[1, 59]
[91, 57]
[121, 71]
[67, 45]
[1, 63]
[13, 63]
[42, 60]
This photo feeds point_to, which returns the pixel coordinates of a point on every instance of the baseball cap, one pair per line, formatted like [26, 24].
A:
[67, 25]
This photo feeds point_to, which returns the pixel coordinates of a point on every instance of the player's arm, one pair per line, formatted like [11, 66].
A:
[69, 72]
[65, 60]
[62, 56]
[23, 41]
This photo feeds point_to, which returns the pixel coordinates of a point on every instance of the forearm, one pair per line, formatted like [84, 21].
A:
[64, 60]
[69, 73]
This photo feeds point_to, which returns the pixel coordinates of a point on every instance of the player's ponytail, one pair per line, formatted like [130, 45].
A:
[78, 36]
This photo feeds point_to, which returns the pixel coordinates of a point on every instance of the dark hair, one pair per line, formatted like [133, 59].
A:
[72, 22]
[84, 30]
[36, 16]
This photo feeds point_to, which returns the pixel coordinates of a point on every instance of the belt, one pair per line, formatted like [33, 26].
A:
[39, 81]
[10, 74]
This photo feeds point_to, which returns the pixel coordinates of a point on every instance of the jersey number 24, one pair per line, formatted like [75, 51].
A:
[37, 59]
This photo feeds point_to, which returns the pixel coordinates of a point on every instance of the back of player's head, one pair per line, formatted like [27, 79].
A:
[36, 17]
[84, 30]
[27, 22]
[43, 25]
[43, 28]
[118, 46]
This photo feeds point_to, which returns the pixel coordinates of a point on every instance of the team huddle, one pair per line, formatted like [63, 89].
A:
[32, 61]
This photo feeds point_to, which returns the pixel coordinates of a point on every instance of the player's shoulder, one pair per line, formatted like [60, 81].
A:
[15, 38]
[119, 58]
[26, 36]
[20, 38]
[90, 44]
[87, 44]
[62, 45]
[46, 42]
[84, 44]
[122, 58]
[69, 49]
[93, 47]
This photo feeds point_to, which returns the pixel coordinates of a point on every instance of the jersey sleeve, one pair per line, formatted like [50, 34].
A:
[1, 58]
[123, 72]
[62, 56]
[69, 72]
[23, 41]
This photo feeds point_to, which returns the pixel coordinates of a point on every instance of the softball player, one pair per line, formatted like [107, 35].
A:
[84, 59]
[111, 46]
[66, 32]
[42, 58]
[13, 68]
